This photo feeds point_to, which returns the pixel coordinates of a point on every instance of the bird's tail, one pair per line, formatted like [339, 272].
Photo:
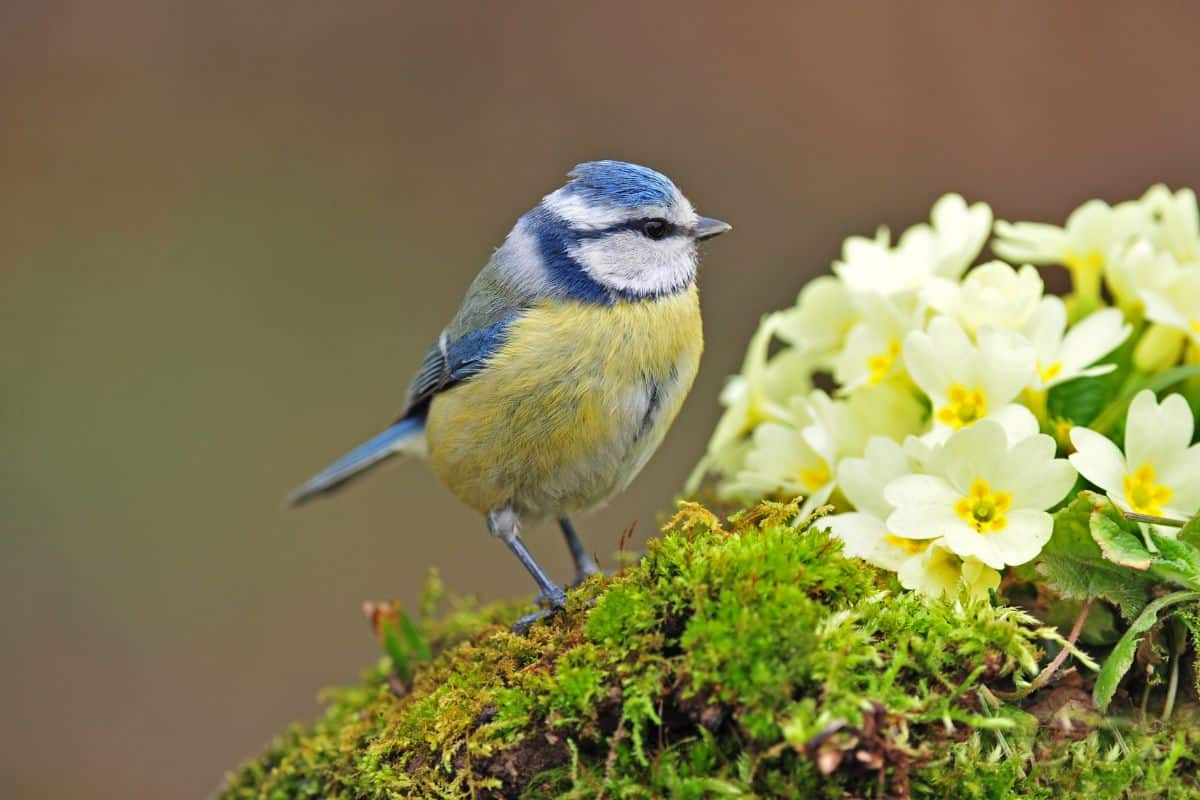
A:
[404, 436]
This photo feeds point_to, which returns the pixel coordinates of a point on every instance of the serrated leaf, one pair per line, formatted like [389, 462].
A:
[1176, 561]
[1120, 540]
[1074, 565]
[1190, 532]
[1121, 658]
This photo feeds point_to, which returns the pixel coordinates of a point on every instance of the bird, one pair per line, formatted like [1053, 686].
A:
[558, 377]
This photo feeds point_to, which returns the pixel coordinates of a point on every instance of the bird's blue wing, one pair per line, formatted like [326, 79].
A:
[452, 361]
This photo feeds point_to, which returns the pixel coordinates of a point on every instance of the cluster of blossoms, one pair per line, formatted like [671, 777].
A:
[957, 415]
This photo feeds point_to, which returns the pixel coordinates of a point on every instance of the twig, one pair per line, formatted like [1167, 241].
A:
[1047, 674]
[1150, 519]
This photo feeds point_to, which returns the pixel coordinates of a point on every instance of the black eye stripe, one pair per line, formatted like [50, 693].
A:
[635, 225]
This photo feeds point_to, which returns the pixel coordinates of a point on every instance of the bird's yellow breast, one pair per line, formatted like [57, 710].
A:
[570, 407]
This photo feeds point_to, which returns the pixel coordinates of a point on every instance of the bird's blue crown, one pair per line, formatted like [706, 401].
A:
[619, 183]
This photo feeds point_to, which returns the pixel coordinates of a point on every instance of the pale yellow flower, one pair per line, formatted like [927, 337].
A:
[967, 382]
[983, 496]
[1177, 305]
[1159, 471]
[992, 295]
[1062, 354]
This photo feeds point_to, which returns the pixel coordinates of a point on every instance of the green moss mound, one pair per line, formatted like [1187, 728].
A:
[744, 659]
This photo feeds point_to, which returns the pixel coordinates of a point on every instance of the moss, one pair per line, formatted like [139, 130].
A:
[735, 660]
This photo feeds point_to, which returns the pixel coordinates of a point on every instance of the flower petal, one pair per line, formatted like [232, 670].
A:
[1023, 537]
[862, 480]
[1098, 459]
[1034, 477]
[926, 522]
[1155, 433]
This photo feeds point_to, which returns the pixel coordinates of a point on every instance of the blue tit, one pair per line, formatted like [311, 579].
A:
[570, 357]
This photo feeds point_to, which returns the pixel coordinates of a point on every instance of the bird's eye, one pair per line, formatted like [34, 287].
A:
[655, 228]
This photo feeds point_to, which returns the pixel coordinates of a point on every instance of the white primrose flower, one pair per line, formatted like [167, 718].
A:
[820, 320]
[956, 236]
[984, 497]
[871, 265]
[967, 383]
[1159, 472]
[783, 460]
[1063, 355]
[871, 354]
[923, 565]
[939, 572]
[992, 295]
[944, 248]
[800, 456]
[1177, 305]
[863, 532]
[762, 392]
[842, 427]
[1082, 245]
[1137, 267]
[763, 389]
[1178, 221]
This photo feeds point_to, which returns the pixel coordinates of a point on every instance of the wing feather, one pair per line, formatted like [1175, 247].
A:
[449, 363]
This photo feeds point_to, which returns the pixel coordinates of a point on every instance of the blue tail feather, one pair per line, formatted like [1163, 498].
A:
[366, 455]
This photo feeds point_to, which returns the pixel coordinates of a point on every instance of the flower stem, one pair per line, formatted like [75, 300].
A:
[1046, 675]
[1150, 519]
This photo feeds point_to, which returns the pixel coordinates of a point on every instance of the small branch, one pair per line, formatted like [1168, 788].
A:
[1046, 675]
[1150, 519]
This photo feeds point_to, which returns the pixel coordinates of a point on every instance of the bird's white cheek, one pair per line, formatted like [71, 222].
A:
[631, 263]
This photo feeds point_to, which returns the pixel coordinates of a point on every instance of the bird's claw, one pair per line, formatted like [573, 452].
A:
[554, 605]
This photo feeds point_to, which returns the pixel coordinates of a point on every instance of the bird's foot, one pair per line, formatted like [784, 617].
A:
[553, 605]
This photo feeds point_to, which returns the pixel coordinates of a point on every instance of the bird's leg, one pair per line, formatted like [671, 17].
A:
[585, 567]
[504, 524]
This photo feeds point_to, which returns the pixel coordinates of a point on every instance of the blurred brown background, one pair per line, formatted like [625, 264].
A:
[228, 232]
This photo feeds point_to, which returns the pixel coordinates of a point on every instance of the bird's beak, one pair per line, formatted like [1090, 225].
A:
[707, 228]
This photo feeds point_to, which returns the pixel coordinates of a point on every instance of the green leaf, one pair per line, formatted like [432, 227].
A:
[416, 643]
[1176, 561]
[1080, 400]
[1120, 540]
[1115, 411]
[1190, 532]
[393, 644]
[1074, 565]
[1121, 658]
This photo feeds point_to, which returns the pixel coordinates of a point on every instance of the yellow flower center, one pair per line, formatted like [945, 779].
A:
[1195, 325]
[756, 413]
[964, 406]
[1050, 372]
[814, 478]
[1146, 496]
[984, 509]
[880, 364]
[911, 546]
